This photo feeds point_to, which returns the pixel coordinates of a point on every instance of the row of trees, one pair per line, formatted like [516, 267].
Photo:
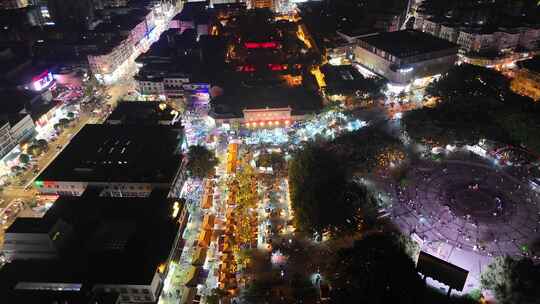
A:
[513, 280]
[475, 103]
[201, 161]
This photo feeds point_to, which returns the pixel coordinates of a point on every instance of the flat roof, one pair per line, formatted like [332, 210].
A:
[341, 78]
[140, 112]
[532, 64]
[236, 99]
[119, 153]
[114, 240]
[407, 43]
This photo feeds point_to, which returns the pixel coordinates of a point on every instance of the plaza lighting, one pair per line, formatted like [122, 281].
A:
[176, 209]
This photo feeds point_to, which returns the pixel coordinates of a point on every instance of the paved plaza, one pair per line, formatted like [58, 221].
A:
[467, 212]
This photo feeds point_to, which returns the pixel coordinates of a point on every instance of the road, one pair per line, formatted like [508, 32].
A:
[21, 187]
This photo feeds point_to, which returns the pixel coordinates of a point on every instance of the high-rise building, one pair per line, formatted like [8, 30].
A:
[73, 14]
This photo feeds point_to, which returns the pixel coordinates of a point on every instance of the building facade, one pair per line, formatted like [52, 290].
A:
[391, 56]
[14, 131]
[477, 39]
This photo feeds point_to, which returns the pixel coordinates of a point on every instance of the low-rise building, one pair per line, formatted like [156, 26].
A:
[264, 106]
[124, 160]
[109, 62]
[144, 113]
[404, 56]
[126, 34]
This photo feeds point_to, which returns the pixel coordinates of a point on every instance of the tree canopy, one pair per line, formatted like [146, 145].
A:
[273, 159]
[361, 149]
[201, 161]
[375, 270]
[322, 198]
[513, 281]
[475, 103]
[24, 158]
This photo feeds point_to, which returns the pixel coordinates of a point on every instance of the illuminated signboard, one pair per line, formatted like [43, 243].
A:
[261, 45]
[42, 80]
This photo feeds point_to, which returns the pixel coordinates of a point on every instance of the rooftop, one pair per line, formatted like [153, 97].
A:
[532, 64]
[407, 43]
[119, 153]
[114, 241]
[122, 22]
[193, 11]
[341, 78]
[141, 112]
[301, 99]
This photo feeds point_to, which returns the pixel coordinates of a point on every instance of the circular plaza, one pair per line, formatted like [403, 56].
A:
[455, 207]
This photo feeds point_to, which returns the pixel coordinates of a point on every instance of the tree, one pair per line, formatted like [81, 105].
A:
[24, 158]
[58, 127]
[375, 270]
[64, 122]
[322, 198]
[512, 281]
[43, 144]
[468, 82]
[475, 103]
[216, 295]
[363, 149]
[274, 160]
[201, 161]
[71, 115]
[35, 150]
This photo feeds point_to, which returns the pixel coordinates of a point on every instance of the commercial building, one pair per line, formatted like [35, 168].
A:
[127, 35]
[404, 56]
[146, 113]
[110, 61]
[90, 246]
[17, 113]
[194, 15]
[478, 39]
[342, 82]
[14, 129]
[264, 106]
[123, 160]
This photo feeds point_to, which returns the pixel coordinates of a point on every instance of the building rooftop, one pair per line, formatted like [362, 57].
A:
[122, 22]
[14, 104]
[267, 95]
[341, 78]
[407, 43]
[112, 241]
[532, 64]
[119, 153]
[141, 112]
[193, 11]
